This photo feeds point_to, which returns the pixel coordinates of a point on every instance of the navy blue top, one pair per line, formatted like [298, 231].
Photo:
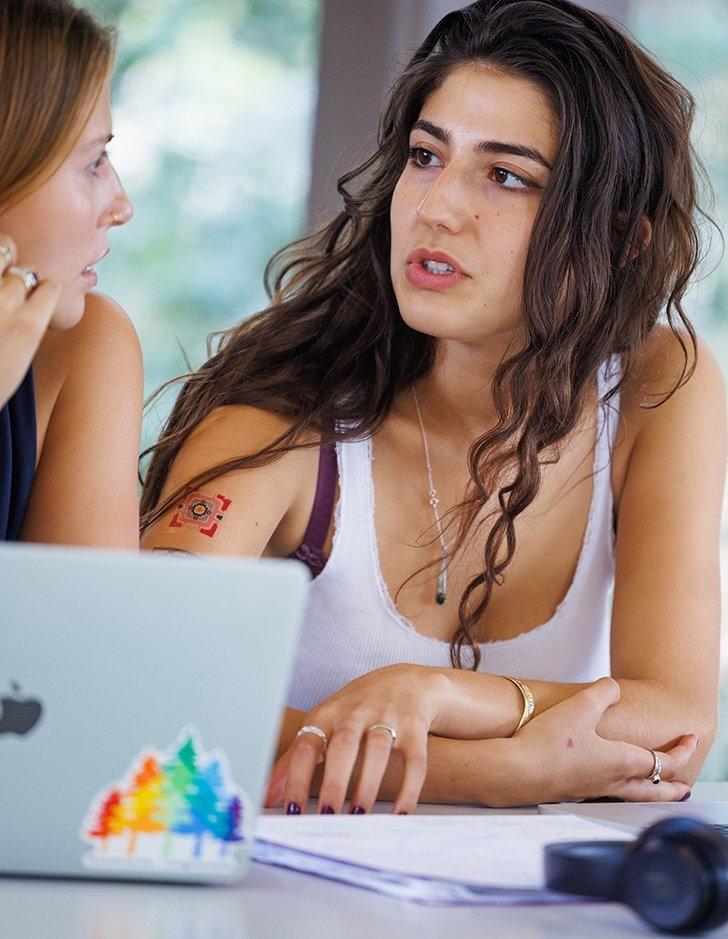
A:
[17, 458]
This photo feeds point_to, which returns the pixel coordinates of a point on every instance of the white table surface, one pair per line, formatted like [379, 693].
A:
[274, 903]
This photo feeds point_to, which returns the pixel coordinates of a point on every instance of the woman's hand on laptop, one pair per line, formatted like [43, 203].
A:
[391, 709]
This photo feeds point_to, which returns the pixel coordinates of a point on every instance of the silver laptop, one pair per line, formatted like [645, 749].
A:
[140, 702]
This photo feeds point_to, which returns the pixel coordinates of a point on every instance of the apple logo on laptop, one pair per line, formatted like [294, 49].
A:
[19, 715]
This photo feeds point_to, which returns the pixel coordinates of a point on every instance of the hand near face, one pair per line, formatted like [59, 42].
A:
[405, 698]
[24, 319]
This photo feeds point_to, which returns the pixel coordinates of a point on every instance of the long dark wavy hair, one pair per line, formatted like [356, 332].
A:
[330, 353]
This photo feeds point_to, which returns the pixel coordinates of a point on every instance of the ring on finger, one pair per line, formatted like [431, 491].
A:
[654, 777]
[30, 280]
[390, 730]
[312, 729]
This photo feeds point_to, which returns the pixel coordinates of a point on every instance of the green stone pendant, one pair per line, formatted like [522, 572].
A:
[441, 591]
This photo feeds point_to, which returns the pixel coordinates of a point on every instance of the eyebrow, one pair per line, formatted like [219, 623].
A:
[486, 146]
[99, 140]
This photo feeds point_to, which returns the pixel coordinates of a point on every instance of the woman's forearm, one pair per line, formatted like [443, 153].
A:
[469, 772]
[648, 714]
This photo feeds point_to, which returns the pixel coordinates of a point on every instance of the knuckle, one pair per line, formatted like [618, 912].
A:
[344, 738]
[378, 740]
[306, 745]
[625, 768]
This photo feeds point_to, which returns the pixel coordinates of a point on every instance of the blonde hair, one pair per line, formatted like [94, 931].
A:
[54, 59]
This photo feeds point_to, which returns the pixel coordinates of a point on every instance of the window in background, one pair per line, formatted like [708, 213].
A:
[213, 110]
[690, 39]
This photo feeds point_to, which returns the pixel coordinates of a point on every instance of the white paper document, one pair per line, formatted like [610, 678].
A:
[477, 859]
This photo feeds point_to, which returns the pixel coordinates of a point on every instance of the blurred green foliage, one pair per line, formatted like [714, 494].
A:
[213, 116]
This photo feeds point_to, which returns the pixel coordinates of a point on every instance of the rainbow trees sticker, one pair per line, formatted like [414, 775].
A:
[175, 811]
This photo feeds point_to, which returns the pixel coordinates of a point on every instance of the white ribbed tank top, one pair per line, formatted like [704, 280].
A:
[351, 625]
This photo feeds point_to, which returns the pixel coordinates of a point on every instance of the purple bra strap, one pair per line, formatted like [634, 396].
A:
[311, 549]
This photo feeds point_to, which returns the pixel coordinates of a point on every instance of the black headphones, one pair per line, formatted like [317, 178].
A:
[675, 875]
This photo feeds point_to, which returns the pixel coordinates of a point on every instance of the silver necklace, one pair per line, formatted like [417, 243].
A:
[441, 589]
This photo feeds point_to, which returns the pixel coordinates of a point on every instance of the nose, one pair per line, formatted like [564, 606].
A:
[119, 210]
[443, 204]
[122, 210]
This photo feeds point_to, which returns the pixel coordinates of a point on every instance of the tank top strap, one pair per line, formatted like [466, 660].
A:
[608, 376]
[355, 539]
[311, 549]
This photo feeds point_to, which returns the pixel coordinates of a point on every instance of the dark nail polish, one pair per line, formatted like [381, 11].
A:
[327, 810]
[293, 808]
[358, 810]
[686, 796]
[402, 812]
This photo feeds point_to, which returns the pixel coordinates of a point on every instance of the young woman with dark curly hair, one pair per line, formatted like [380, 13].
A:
[484, 358]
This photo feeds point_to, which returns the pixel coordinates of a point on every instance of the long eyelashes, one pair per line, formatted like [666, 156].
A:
[418, 154]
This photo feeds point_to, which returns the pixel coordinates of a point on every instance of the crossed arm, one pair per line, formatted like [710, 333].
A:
[665, 629]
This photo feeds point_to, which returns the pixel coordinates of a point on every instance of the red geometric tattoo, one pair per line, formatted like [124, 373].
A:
[204, 512]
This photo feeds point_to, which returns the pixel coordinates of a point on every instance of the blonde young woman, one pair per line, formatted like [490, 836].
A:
[70, 364]
[484, 360]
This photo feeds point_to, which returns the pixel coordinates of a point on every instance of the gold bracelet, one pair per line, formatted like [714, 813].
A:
[528, 703]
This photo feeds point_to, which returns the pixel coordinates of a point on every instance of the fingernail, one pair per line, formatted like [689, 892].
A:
[686, 796]
[293, 808]
[327, 810]
[358, 810]
[403, 812]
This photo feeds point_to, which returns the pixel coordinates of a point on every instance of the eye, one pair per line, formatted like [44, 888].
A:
[422, 158]
[508, 180]
[97, 164]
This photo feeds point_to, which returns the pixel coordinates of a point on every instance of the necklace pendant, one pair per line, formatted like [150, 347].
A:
[441, 591]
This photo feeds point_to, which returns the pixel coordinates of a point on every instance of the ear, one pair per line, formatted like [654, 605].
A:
[645, 230]
[644, 237]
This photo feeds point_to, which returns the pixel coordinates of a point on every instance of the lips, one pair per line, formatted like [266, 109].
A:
[419, 276]
[427, 254]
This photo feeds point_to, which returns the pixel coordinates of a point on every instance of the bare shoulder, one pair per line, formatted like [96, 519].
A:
[681, 436]
[88, 406]
[104, 329]
[658, 368]
[102, 351]
[239, 430]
